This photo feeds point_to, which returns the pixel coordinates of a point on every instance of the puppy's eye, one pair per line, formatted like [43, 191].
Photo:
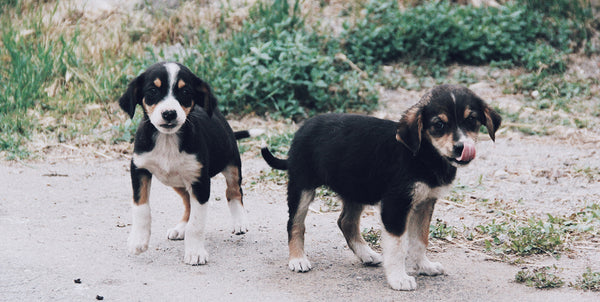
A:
[439, 125]
[471, 121]
[152, 91]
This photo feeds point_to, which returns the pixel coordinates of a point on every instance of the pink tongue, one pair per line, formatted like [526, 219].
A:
[468, 152]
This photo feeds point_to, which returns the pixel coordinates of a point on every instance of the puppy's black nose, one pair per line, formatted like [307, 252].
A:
[169, 115]
[458, 148]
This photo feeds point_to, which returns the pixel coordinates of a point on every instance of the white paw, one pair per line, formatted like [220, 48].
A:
[430, 268]
[240, 228]
[195, 256]
[137, 244]
[178, 232]
[368, 256]
[300, 265]
[402, 282]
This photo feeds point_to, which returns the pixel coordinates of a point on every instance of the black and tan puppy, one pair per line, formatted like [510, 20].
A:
[406, 166]
[183, 140]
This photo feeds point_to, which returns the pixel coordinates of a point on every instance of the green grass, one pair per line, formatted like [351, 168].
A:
[30, 62]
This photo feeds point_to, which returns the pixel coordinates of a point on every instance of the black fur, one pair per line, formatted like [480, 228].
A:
[206, 133]
[366, 160]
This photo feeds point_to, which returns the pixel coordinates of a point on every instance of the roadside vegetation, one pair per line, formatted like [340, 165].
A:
[62, 70]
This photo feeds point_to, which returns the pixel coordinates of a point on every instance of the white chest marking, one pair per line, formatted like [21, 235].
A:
[422, 192]
[171, 167]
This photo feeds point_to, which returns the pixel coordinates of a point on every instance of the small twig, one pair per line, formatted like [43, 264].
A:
[342, 57]
[103, 155]
[452, 203]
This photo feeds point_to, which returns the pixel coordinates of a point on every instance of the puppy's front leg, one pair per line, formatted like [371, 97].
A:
[418, 235]
[140, 230]
[394, 261]
[395, 240]
[195, 253]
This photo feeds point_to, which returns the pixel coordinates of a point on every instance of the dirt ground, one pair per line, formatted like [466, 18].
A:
[68, 219]
[66, 216]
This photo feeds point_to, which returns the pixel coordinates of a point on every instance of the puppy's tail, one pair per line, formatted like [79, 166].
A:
[247, 133]
[274, 162]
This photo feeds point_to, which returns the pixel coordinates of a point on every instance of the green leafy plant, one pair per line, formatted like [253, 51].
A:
[540, 277]
[588, 281]
[443, 32]
[373, 238]
[275, 64]
[441, 230]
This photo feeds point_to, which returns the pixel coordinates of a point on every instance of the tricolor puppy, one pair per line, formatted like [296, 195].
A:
[183, 140]
[405, 166]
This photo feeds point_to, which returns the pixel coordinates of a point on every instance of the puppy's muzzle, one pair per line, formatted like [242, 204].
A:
[170, 118]
[464, 151]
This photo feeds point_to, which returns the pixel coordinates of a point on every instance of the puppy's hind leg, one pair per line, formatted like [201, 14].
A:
[298, 202]
[178, 232]
[349, 223]
[234, 196]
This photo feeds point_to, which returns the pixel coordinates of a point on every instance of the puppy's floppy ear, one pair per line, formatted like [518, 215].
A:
[133, 95]
[410, 128]
[206, 98]
[492, 121]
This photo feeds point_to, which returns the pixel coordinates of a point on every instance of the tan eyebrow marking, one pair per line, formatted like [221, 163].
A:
[180, 84]
[443, 117]
[467, 112]
[157, 82]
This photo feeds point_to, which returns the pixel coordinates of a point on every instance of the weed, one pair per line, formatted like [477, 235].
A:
[536, 237]
[373, 238]
[279, 144]
[126, 132]
[441, 230]
[277, 176]
[539, 278]
[588, 281]
[522, 239]
[330, 201]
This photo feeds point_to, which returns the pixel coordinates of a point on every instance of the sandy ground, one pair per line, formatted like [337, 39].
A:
[69, 219]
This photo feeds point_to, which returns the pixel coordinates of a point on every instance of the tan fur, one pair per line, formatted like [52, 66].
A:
[296, 242]
[296, 234]
[420, 219]
[144, 190]
[444, 144]
[443, 117]
[187, 110]
[148, 108]
[232, 177]
[489, 123]
[157, 83]
[180, 84]
[349, 222]
[185, 196]
[467, 112]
